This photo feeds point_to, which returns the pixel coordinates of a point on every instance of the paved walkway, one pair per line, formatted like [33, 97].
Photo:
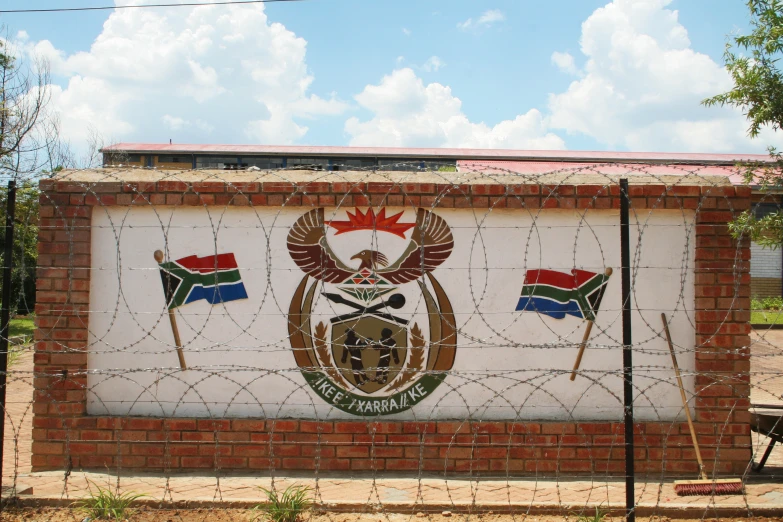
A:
[409, 495]
[766, 367]
[18, 430]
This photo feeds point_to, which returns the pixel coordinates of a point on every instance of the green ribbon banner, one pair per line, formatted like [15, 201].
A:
[363, 405]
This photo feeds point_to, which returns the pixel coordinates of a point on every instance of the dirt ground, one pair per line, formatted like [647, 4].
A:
[242, 515]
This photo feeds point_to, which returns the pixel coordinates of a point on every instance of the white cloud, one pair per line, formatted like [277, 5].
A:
[193, 69]
[406, 31]
[642, 85]
[176, 123]
[433, 64]
[407, 113]
[565, 62]
[467, 24]
[486, 19]
[491, 16]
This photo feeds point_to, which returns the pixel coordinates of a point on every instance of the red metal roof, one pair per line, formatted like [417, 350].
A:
[555, 156]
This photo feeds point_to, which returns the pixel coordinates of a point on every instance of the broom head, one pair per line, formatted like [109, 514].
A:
[709, 487]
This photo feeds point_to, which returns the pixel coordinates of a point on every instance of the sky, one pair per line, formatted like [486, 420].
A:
[623, 75]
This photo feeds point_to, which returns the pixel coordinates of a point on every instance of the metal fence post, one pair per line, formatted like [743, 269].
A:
[5, 311]
[625, 248]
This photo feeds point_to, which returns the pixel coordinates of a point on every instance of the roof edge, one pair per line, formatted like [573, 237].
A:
[446, 153]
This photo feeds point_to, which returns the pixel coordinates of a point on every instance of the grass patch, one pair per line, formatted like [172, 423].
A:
[597, 517]
[287, 507]
[768, 310]
[766, 317]
[105, 504]
[22, 325]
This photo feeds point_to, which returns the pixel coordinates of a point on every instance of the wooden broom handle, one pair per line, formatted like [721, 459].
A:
[684, 398]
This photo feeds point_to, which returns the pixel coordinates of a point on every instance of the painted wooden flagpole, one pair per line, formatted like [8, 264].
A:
[173, 321]
[585, 338]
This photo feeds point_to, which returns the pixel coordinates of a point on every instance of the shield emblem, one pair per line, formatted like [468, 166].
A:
[365, 360]
[369, 351]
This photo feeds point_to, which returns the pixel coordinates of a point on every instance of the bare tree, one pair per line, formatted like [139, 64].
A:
[30, 147]
[24, 97]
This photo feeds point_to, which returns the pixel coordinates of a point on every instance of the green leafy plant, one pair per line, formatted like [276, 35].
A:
[767, 303]
[599, 516]
[753, 63]
[105, 504]
[285, 507]
[766, 231]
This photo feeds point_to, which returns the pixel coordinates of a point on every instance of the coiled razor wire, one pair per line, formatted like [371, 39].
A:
[511, 366]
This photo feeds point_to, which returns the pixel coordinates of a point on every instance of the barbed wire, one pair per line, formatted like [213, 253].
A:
[398, 340]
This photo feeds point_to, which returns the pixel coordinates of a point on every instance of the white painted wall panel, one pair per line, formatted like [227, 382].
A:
[509, 365]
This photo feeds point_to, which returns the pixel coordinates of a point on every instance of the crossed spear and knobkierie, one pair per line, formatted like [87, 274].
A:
[396, 301]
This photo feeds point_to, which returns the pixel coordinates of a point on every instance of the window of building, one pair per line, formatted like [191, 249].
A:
[441, 165]
[353, 163]
[400, 164]
[219, 163]
[120, 158]
[263, 163]
[175, 159]
[308, 163]
[761, 210]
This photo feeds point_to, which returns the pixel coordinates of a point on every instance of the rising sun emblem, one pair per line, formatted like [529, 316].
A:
[372, 357]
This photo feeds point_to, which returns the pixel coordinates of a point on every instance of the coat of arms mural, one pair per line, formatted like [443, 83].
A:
[369, 357]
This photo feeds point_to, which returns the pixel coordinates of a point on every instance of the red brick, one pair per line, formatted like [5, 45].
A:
[198, 436]
[283, 187]
[198, 462]
[540, 466]
[334, 464]
[295, 463]
[248, 425]
[353, 451]
[489, 427]
[142, 424]
[282, 425]
[316, 427]
[48, 448]
[214, 425]
[402, 464]
[148, 449]
[251, 450]
[351, 427]
[188, 450]
[209, 186]
[180, 424]
[453, 427]
[492, 452]
[172, 186]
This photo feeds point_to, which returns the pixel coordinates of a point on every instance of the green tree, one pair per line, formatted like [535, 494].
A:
[752, 62]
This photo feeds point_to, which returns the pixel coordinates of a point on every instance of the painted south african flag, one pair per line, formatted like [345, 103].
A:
[213, 278]
[556, 293]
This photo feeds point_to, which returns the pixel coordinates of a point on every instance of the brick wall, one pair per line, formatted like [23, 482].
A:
[64, 435]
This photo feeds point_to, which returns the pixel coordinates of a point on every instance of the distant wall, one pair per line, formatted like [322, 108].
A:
[766, 271]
